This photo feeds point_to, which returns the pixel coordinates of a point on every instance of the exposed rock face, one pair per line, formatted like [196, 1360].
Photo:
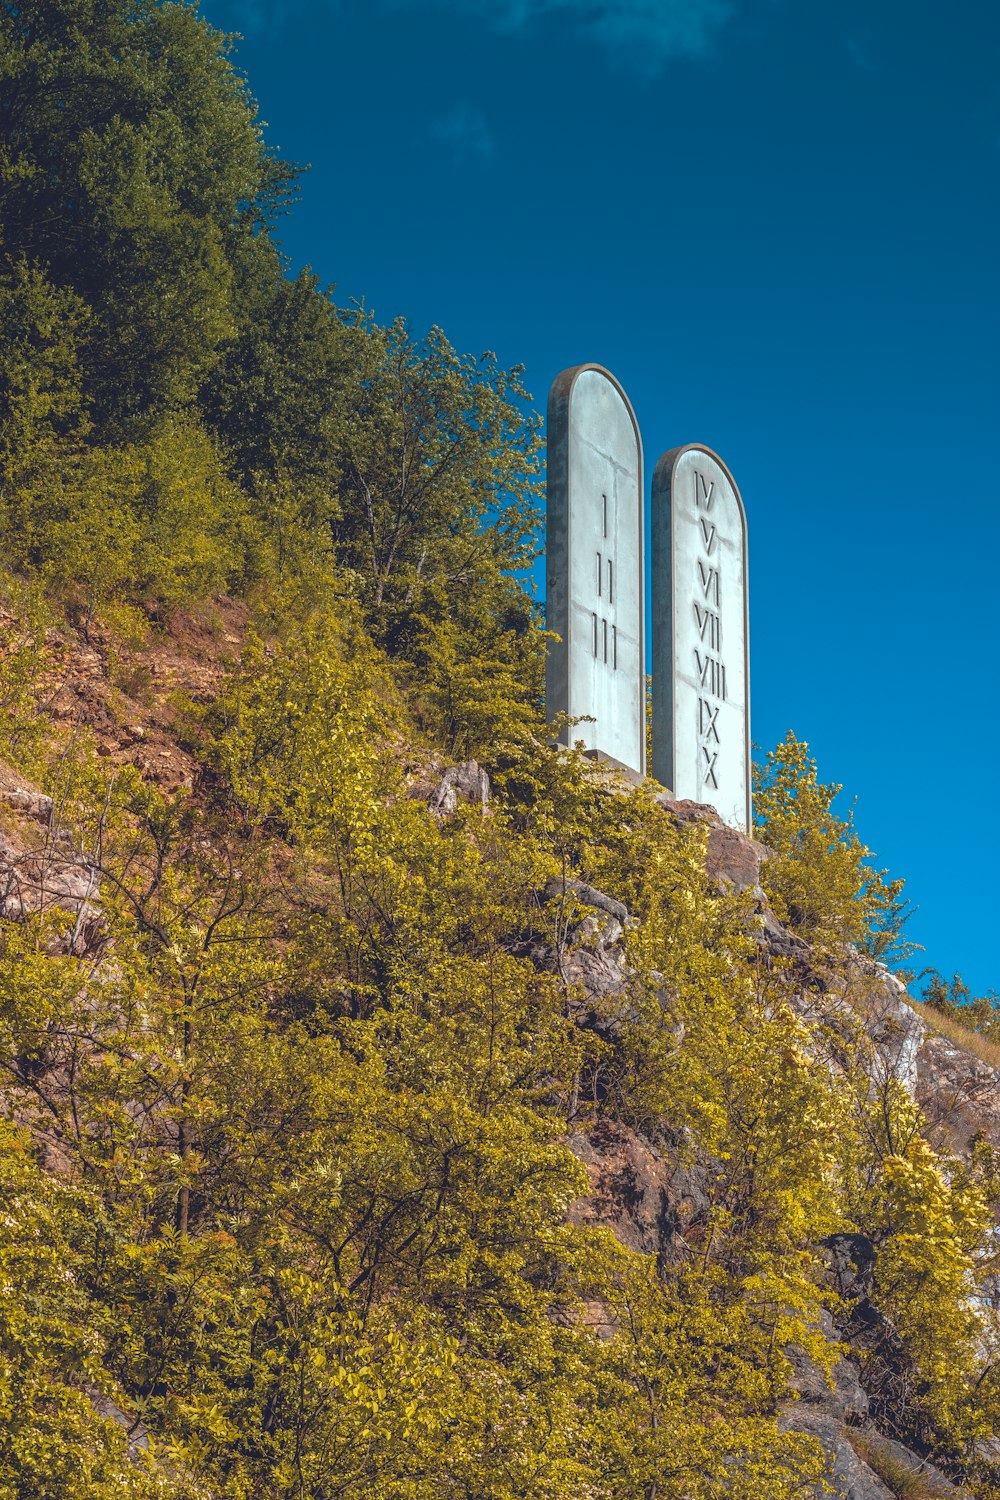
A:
[643, 1189]
[641, 1192]
[38, 877]
[731, 859]
[585, 950]
[133, 718]
[845, 1400]
[466, 782]
[851, 1261]
[959, 1093]
[850, 1477]
[837, 1415]
[137, 1431]
[892, 1024]
[587, 895]
[32, 804]
[883, 1451]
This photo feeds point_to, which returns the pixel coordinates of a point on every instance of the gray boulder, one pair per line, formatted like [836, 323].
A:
[466, 782]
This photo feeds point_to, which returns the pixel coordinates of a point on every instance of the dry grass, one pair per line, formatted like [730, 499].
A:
[969, 1041]
[904, 1482]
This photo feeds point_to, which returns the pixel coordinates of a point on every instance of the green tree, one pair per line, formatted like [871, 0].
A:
[955, 999]
[41, 330]
[279, 394]
[818, 876]
[439, 471]
[55, 1444]
[131, 164]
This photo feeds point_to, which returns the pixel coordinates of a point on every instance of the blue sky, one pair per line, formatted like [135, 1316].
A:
[777, 222]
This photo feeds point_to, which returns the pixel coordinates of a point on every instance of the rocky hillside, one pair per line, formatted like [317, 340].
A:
[392, 1105]
[656, 1175]
[648, 1194]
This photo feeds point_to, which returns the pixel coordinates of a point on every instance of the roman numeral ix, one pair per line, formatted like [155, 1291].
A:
[708, 720]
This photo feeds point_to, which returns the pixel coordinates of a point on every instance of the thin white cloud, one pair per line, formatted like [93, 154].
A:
[465, 131]
[861, 52]
[643, 33]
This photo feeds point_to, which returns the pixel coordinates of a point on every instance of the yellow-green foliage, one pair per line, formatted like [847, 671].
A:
[311, 1121]
[55, 1445]
[292, 1167]
[951, 1001]
[319, 1113]
[818, 878]
[24, 656]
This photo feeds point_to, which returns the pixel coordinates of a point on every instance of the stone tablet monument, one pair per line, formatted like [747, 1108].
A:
[701, 674]
[595, 566]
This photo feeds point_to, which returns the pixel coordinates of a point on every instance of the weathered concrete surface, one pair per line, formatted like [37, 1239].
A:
[595, 571]
[701, 671]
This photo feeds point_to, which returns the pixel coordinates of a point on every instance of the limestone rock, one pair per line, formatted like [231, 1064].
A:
[654, 1205]
[958, 1092]
[846, 1399]
[583, 946]
[851, 1262]
[850, 1477]
[50, 878]
[32, 804]
[732, 859]
[137, 1431]
[778, 940]
[587, 895]
[732, 862]
[906, 1469]
[466, 782]
[683, 810]
[640, 1192]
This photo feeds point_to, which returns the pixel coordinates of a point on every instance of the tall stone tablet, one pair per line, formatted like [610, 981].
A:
[701, 662]
[595, 566]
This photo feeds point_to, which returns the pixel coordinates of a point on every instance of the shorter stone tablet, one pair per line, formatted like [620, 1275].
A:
[701, 662]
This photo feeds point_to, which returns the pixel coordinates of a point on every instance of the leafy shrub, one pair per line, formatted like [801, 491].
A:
[819, 879]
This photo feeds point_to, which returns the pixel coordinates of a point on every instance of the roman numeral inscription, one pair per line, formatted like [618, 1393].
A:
[704, 491]
[709, 627]
[700, 691]
[711, 672]
[605, 591]
[595, 668]
[709, 577]
[708, 720]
